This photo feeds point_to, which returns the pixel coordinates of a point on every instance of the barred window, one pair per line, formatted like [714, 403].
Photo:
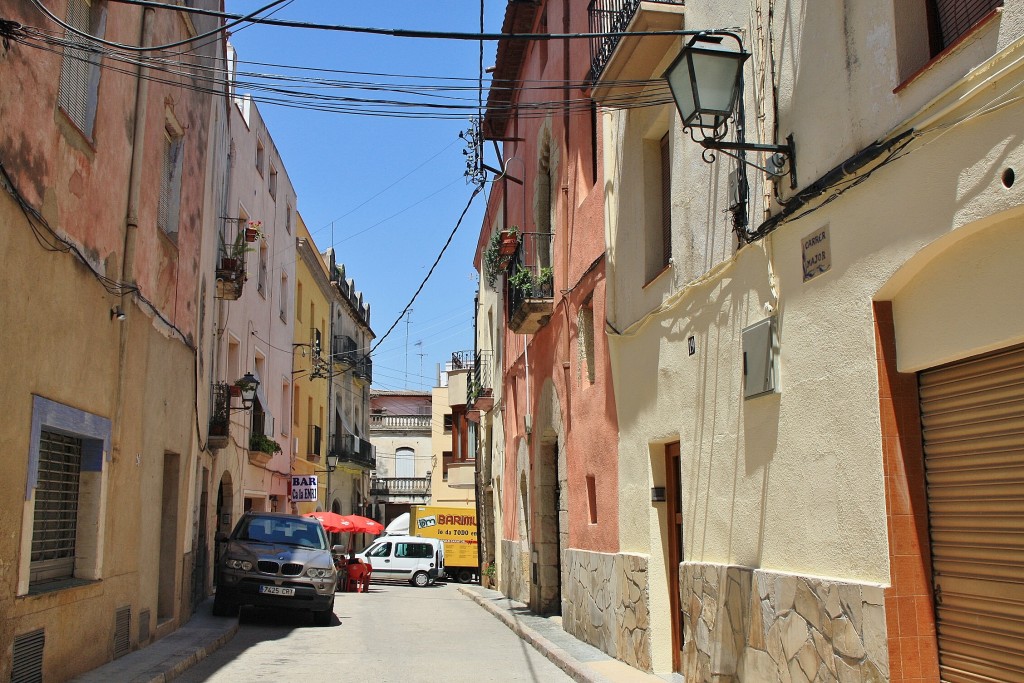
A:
[55, 525]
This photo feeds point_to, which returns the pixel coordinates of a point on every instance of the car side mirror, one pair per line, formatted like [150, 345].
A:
[221, 537]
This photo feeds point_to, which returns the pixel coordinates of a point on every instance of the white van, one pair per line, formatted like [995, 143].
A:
[418, 560]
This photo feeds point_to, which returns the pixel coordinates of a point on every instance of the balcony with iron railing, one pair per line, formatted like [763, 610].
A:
[355, 451]
[530, 283]
[459, 374]
[364, 369]
[230, 269]
[314, 443]
[220, 417]
[345, 350]
[630, 60]
[481, 385]
[400, 487]
[386, 422]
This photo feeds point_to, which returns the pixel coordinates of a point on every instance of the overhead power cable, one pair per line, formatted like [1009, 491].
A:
[412, 33]
[147, 48]
[476, 190]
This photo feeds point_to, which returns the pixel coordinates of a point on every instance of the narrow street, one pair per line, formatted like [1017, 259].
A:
[393, 633]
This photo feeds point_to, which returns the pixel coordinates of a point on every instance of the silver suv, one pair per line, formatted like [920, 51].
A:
[276, 560]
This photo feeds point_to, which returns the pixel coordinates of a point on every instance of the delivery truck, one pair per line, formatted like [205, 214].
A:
[456, 528]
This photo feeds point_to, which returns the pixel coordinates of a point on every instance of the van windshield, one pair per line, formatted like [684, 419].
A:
[380, 550]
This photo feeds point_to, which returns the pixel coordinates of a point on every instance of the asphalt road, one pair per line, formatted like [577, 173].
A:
[393, 633]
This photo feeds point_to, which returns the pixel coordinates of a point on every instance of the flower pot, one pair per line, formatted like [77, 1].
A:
[509, 243]
[251, 234]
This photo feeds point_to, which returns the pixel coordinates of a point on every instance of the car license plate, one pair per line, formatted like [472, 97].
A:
[277, 590]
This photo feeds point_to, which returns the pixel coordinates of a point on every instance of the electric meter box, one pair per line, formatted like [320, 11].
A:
[761, 358]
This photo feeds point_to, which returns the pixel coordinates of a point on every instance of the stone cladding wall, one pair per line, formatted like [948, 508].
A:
[742, 624]
[514, 571]
[605, 603]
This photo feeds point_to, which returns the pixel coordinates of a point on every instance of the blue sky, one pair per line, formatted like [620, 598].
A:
[384, 191]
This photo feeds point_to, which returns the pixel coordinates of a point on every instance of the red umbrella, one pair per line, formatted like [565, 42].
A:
[332, 521]
[361, 525]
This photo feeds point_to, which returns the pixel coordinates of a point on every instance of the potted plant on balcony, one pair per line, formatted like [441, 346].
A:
[531, 285]
[233, 256]
[259, 442]
[509, 241]
[253, 231]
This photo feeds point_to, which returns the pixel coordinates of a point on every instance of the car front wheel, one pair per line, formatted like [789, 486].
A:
[323, 618]
[222, 607]
[420, 579]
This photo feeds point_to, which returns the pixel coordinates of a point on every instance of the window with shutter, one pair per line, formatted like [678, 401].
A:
[925, 28]
[950, 19]
[77, 94]
[170, 179]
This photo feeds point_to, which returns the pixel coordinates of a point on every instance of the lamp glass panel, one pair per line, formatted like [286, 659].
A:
[717, 73]
[680, 83]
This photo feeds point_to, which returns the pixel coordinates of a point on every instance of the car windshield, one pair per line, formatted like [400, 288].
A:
[296, 532]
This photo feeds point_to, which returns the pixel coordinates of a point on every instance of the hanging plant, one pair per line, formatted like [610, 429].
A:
[496, 255]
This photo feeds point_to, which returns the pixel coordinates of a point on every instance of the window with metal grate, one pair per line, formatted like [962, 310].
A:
[54, 529]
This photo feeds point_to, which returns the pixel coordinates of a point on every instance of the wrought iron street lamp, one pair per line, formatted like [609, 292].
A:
[706, 80]
[248, 385]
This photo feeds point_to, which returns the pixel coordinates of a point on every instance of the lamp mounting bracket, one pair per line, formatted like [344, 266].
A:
[786, 151]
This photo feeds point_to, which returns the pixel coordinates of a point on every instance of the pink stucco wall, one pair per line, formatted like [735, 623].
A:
[585, 411]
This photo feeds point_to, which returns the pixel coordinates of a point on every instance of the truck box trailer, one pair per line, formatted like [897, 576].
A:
[456, 528]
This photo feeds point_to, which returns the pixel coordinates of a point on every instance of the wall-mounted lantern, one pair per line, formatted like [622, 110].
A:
[706, 80]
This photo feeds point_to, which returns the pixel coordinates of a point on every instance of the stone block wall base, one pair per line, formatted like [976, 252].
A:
[607, 603]
[515, 571]
[746, 624]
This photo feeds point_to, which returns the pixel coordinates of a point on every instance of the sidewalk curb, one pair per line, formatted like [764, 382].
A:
[169, 657]
[179, 662]
[562, 659]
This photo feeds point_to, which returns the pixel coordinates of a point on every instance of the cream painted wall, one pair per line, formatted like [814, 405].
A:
[793, 481]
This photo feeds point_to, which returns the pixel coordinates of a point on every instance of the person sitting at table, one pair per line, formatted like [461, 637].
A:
[356, 573]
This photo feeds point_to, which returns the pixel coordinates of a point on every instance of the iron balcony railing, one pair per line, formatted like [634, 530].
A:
[353, 450]
[531, 275]
[462, 360]
[364, 369]
[481, 381]
[344, 350]
[611, 16]
[400, 486]
[313, 446]
[396, 423]
[220, 417]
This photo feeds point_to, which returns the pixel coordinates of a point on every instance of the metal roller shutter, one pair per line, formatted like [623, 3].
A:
[972, 416]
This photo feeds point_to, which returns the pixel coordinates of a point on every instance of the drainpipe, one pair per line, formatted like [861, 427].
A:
[132, 217]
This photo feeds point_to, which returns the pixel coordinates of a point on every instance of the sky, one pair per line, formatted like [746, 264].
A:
[384, 191]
